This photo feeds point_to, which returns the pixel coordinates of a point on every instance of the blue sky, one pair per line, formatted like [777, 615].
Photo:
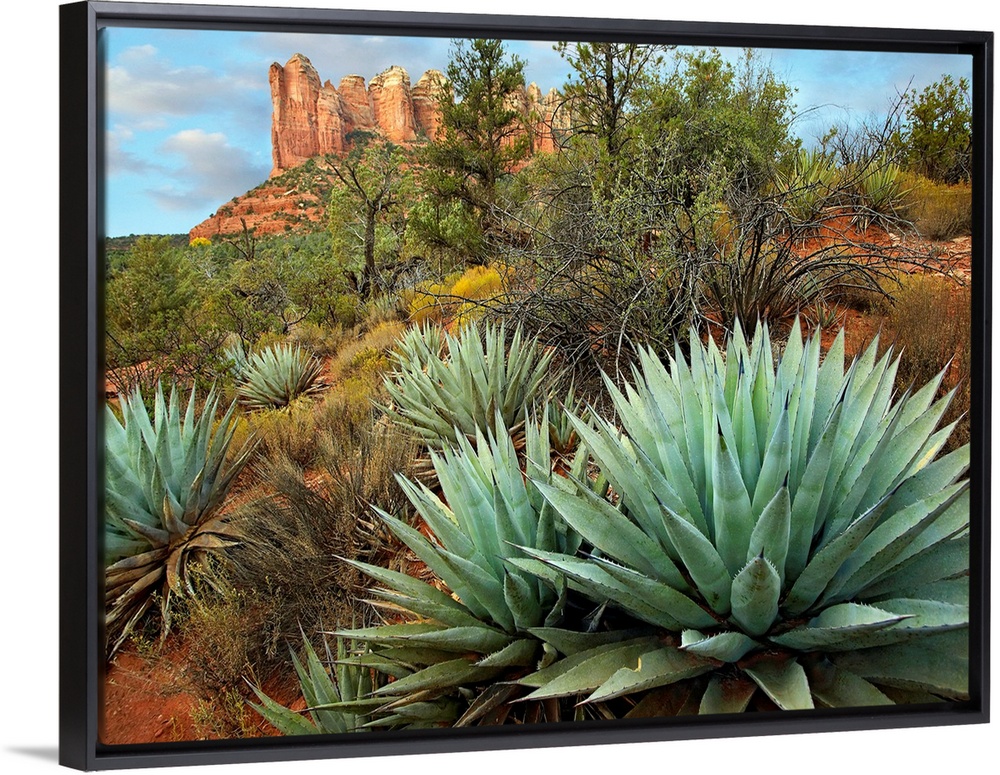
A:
[188, 112]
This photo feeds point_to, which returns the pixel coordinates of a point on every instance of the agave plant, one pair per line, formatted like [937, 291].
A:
[457, 656]
[809, 187]
[277, 375]
[334, 695]
[165, 481]
[235, 358]
[785, 526]
[881, 193]
[449, 387]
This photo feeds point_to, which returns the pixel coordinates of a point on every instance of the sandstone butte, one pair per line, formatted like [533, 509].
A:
[311, 119]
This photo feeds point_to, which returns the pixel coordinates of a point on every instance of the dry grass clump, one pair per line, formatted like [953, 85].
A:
[930, 321]
[286, 573]
[224, 631]
[367, 355]
[940, 211]
[323, 341]
[323, 465]
[290, 433]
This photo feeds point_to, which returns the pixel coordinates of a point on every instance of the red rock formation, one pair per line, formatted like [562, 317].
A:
[426, 95]
[352, 89]
[294, 93]
[392, 105]
[551, 119]
[311, 119]
[332, 120]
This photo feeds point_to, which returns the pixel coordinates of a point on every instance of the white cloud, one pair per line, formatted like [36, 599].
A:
[118, 160]
[143, 85]
[209, 171]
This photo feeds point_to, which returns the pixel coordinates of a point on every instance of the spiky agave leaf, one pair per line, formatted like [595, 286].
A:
[773, 516]
[457, 645]
[446, 387]
[336, 694]
[165, 480]
[277, 375]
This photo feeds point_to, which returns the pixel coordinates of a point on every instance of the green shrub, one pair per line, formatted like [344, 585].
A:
[456, 656]
[882, 195]
[788, 523]
[809, 188]
[332, 694]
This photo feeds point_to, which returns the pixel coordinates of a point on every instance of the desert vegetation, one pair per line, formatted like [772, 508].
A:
[670, 420]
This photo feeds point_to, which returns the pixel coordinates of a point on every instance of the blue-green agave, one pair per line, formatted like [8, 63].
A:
[764, 532]
[455, 657]
[276, 376]
[787, 526]
[446, 387]
[165, 479]
[336, 694]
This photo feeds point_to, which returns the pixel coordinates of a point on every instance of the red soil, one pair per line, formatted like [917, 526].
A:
[155, 699]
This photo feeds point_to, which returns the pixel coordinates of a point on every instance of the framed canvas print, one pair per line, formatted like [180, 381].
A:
[447, 382]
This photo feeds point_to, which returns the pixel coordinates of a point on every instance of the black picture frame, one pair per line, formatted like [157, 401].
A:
[81, 376]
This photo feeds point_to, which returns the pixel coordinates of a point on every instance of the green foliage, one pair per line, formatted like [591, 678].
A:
[155, 322]
[625, 248]
[809, 185]
[450, 656]
[882, 194]
[258, 287]
[711, 116]
[450, 387]
[482, 138]
[777, 533]
[165, 481]
[274, 377]
[600, 97]
[372, 189]
[936, 139]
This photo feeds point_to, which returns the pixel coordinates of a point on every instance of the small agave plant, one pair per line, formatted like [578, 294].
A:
[276, 376]
[165, 480]
[456, 658]
[336, 695]
[788, 528]
[446, 387]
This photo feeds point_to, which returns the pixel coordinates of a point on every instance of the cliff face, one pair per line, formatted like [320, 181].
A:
[310, 118]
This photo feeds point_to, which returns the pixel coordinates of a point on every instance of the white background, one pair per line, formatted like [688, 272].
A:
[28, 427]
